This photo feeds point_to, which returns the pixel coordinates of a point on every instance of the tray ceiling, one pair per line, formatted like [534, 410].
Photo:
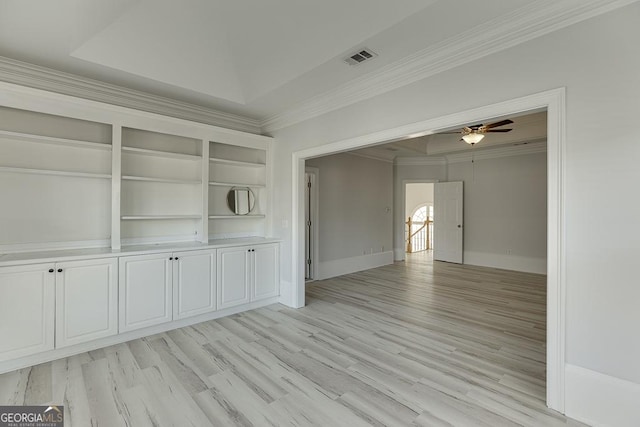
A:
[271, 61]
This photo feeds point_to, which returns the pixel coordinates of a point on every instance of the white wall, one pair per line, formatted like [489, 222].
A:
[505, 211]
[597, 61]
[355, 213]
[416, 195]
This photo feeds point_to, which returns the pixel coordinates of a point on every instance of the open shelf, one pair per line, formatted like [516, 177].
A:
[54, 141]
[235, 184]
[167, 180]
[54, 172]
[236, 216]
[155, 217]
[159, 153]
[235, 163]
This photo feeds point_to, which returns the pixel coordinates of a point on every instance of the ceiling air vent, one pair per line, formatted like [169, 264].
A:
[360, 56]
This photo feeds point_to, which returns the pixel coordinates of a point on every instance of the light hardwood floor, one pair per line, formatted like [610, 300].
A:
[411, 344]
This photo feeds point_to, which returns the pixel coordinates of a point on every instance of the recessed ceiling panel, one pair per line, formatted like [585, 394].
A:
[271, 48]
[238, 50]
[180, 43]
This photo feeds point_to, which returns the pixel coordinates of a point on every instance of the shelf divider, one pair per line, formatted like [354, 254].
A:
[255, 216]
[235, 184]
[53, 140]
[167, 180]
[159, 153]
[157, 217]
[54, 172]
[235, 162]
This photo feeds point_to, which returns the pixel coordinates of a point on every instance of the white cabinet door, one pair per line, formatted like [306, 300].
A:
[86, 300]
[266, 265]
[194, 283]
[145, 296]
[233, 277]
[27, 307]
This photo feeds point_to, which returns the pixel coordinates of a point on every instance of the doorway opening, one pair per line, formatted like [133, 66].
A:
[418, 210]
[553, 101]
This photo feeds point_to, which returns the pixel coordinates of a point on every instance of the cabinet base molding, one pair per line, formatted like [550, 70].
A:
[35, 359]
[600, 400]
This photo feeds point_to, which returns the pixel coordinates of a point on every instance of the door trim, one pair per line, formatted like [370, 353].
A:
[554, 101]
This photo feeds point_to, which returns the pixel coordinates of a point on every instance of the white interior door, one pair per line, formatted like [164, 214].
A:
[447, 222]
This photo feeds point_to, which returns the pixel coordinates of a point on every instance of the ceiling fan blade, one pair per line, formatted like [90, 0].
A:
[498, 130]
[497, 124]
[449, 133]
[467, 129]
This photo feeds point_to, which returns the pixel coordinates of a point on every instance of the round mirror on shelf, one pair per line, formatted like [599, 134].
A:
[241, 200]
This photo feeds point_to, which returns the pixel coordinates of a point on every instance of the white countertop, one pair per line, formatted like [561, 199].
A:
[22, 258]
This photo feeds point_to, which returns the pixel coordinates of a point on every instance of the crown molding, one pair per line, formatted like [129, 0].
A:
[420, 161]
[25, 74]
[531, 147]
[526, 23]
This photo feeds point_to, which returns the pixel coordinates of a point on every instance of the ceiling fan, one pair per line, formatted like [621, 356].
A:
[474, 134]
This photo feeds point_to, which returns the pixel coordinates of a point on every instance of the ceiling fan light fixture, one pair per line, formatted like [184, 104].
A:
[472, 138]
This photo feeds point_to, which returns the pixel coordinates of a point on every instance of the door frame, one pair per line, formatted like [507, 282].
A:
[554, 101]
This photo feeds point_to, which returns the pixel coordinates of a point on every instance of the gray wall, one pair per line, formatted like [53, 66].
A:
[505, 211]
[355, 206]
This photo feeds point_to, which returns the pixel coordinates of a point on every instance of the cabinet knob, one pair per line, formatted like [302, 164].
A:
[59, 270]
[51, 270]
[171, 259]
[176, 258]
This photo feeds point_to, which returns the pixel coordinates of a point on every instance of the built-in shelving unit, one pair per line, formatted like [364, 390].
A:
[232, 167]
[55, 181]
[110, 229]
[77, 174]
[161, 187]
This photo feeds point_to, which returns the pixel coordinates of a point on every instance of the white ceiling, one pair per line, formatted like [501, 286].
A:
[252, 57]
[275, 62]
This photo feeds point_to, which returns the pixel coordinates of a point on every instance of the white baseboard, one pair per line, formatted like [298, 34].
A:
[343, 266]
[507, 262]
[601, 400]
[399, 254]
